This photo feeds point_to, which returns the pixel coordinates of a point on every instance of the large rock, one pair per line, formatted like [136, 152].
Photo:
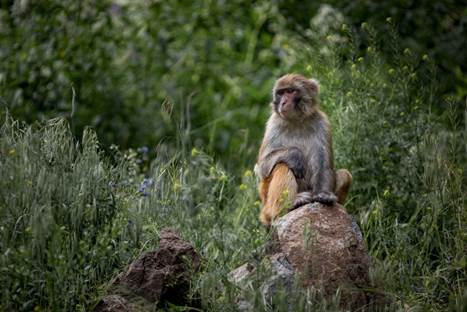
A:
[325, 246]
[320, 246]
[157, 276]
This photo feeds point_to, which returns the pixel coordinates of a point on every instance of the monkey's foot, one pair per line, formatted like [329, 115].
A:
[326, 198]
[301, 199]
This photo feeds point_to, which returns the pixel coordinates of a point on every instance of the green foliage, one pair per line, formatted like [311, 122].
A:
[69, 220]
[195, 79]
[62, 228]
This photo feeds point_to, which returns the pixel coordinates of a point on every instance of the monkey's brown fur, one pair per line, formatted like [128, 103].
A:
[295, 162]
[277, 190]
[282, 183]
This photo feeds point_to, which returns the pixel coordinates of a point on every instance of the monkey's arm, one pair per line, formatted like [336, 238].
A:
[323, 177]
[292, 157]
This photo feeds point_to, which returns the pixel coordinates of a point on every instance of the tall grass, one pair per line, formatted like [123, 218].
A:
[71, 217]
[62, 228]
[70, 220]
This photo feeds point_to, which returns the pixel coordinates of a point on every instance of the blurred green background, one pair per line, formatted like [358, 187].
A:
[139, 71]
[177, 93]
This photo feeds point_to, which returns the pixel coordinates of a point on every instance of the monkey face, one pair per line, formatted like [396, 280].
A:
[295, 97]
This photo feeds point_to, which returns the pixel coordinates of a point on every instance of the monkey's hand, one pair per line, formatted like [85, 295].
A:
[324, 197]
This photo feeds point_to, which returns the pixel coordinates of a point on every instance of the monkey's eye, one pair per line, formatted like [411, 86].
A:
[280, 92]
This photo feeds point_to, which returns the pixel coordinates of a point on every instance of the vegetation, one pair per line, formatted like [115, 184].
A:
[192, 81]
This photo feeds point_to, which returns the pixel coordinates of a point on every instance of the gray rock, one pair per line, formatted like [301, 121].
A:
[156, 277]
[325, 246]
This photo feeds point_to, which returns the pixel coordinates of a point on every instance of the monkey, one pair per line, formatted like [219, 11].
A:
[295, 160]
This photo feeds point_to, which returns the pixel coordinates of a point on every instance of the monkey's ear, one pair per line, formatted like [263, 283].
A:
[314, 85]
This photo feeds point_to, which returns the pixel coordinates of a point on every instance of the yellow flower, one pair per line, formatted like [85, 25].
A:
[222, 177]
[176, 187]
[247, 173]
[195, 152]
[242, 187]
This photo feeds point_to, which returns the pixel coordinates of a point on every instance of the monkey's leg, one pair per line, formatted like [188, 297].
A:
[343, 183]
[281, 190]
[263, 189]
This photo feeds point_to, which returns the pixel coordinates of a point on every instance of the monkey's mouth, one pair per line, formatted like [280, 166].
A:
[285, 110]
[286, 106]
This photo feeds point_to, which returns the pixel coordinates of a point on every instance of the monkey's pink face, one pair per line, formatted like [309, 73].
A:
[285, 102]
[294, 97]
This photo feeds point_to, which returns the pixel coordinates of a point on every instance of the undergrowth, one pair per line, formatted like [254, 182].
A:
[71, 218]
[72, 215]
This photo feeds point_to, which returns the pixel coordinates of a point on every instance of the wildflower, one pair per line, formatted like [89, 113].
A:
[425, 57]
[147, 183]
[212, 170]
[308, 68]
[247, 173]
[223, 177]
[391, 71]
[242, 187]
[176, 187]
[195, 152]
[143, 150]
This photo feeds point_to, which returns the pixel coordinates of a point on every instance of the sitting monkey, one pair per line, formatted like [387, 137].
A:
[295, 161]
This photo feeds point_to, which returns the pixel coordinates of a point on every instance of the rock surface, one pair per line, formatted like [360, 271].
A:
[321, 246]
[326, 247]
[157, 276]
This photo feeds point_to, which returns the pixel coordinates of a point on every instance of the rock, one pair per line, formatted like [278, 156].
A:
[319, 246]
[113, 303]
[282, 278]
[158, 276]
[326, 247]
[279, 277]
[241, 274]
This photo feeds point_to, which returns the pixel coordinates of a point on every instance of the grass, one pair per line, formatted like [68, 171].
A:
[71, 218]
[72, 215]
